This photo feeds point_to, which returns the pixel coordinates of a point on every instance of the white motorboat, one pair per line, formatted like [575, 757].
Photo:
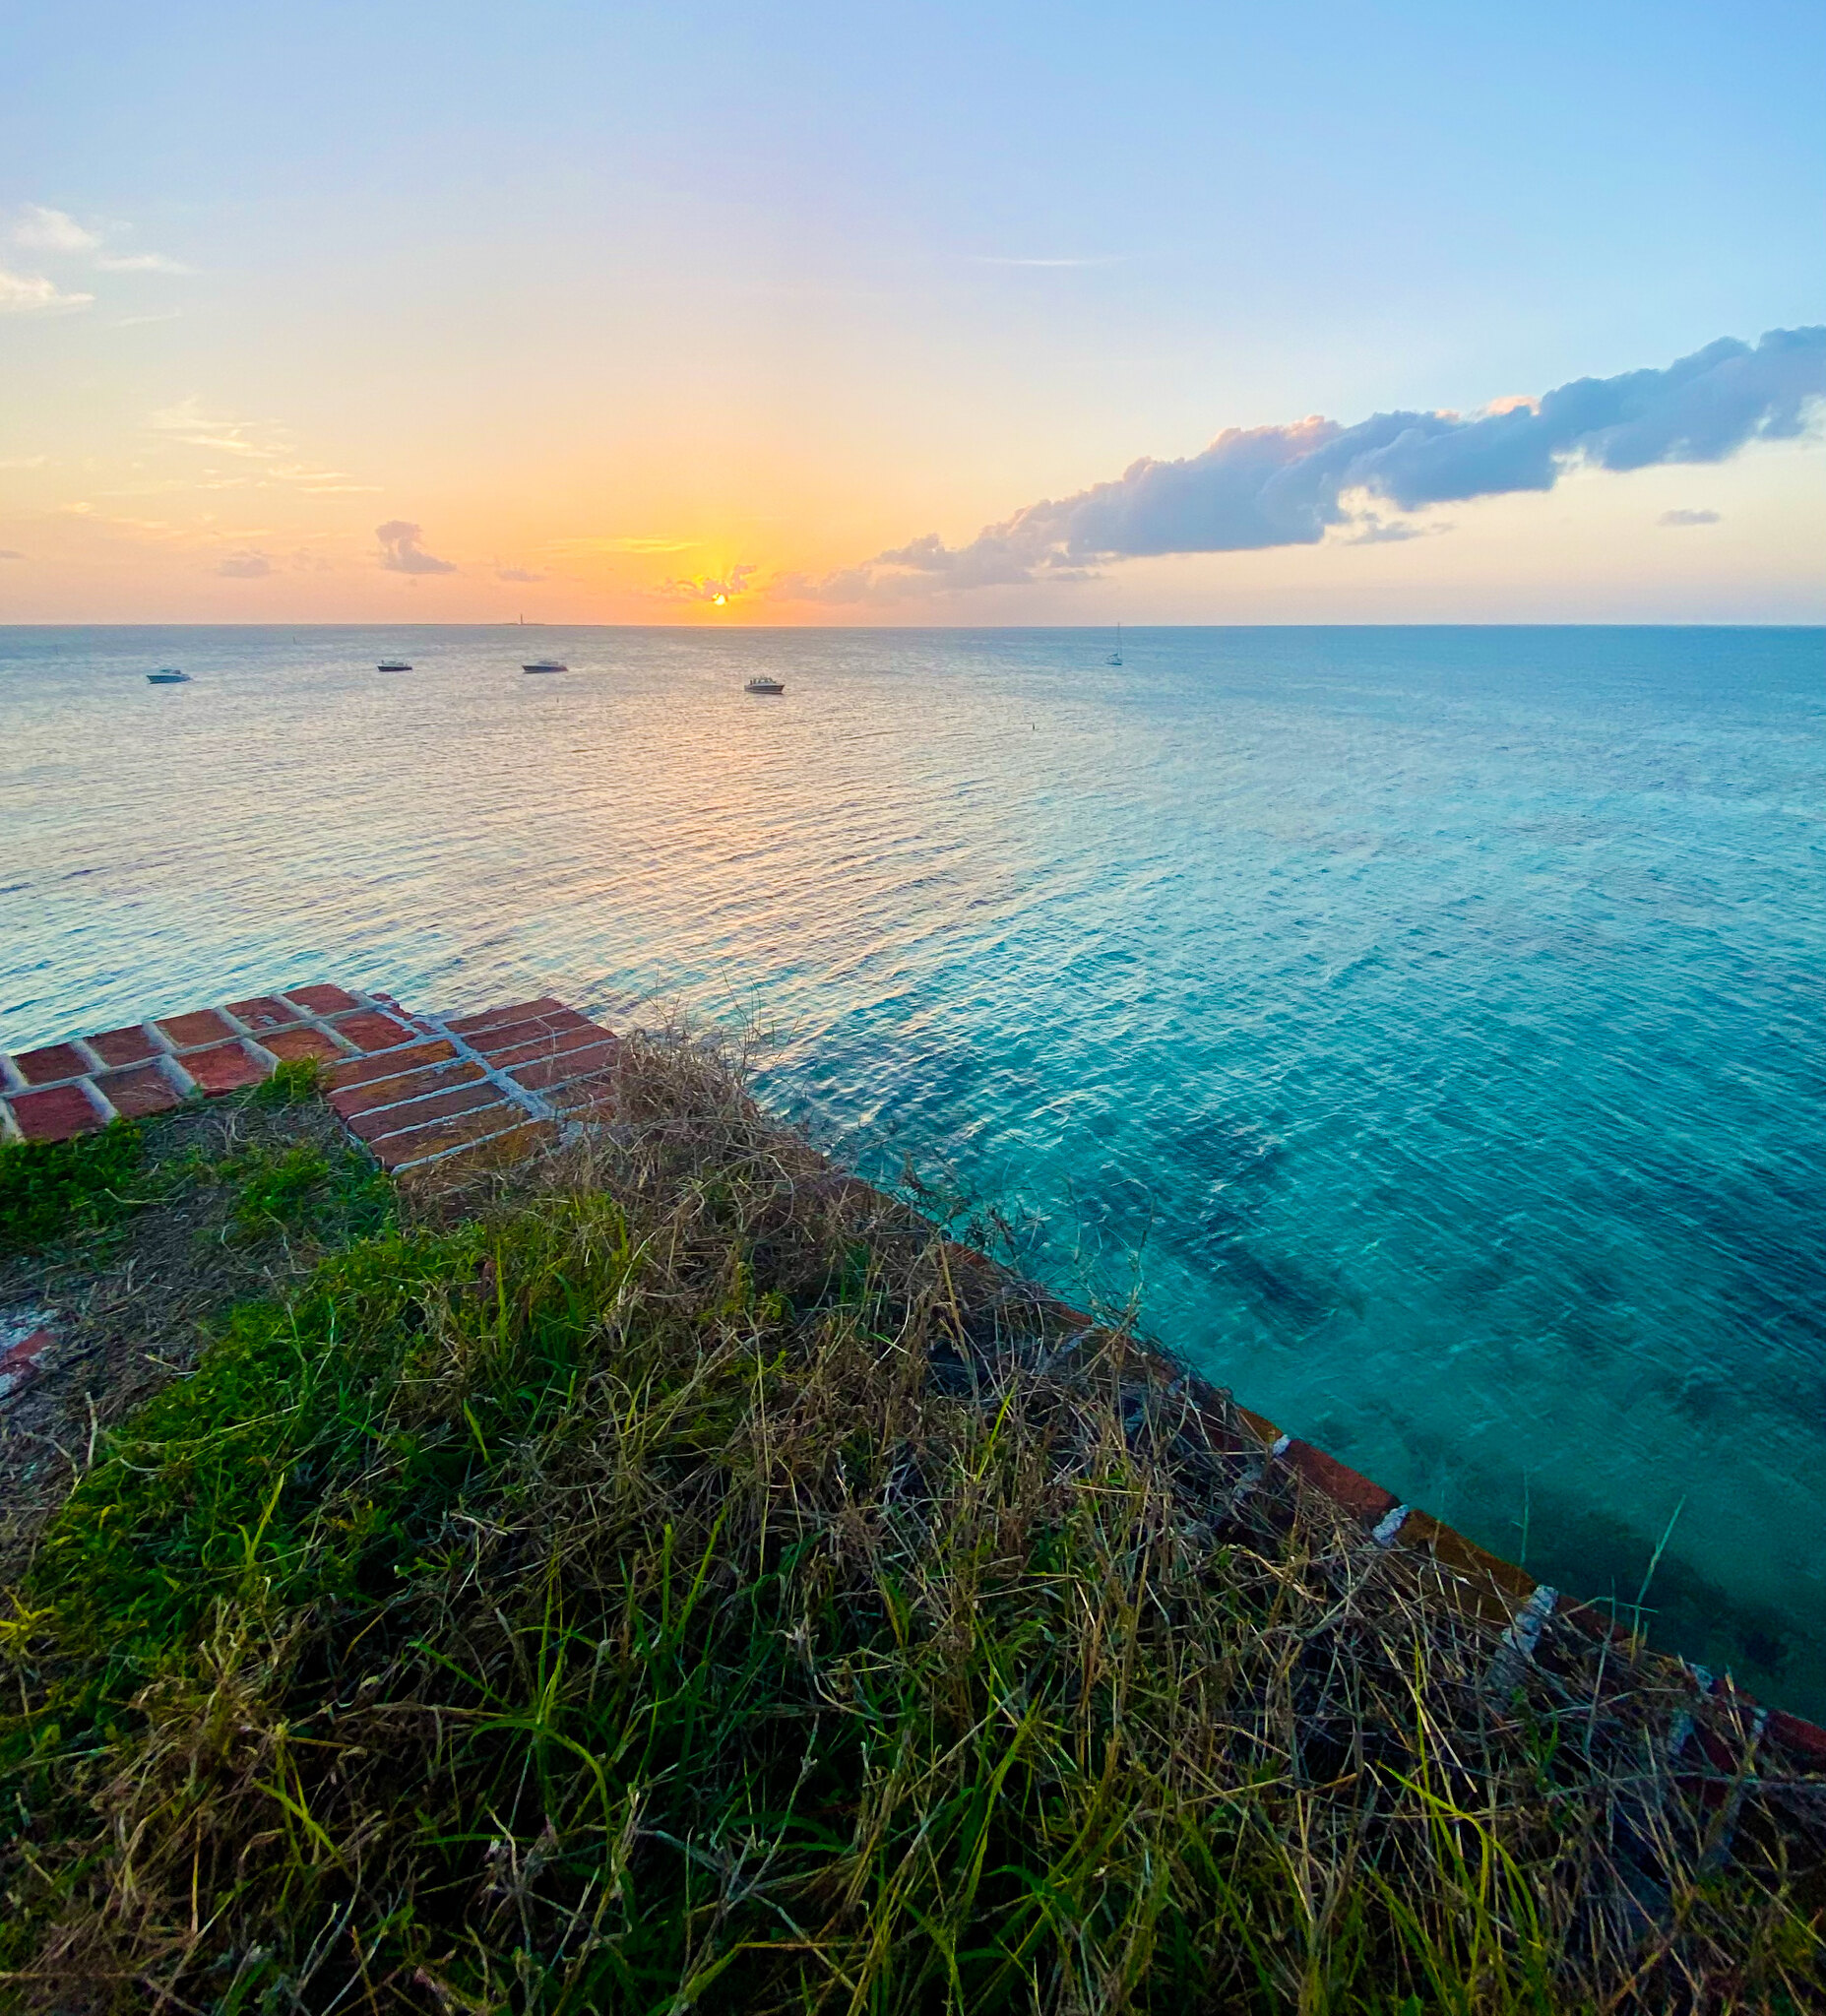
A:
[761, 684]
[169, 676]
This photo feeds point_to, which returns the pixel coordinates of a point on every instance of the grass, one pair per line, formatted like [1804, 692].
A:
[51, 1189]
[678, 1579]
[235, 1198]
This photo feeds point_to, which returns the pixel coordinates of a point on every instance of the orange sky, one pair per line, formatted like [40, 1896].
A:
[611, 305]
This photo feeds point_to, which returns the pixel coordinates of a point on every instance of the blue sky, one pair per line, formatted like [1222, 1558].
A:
[568, 287]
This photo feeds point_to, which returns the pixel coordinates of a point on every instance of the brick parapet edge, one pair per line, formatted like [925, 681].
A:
[544, 1067]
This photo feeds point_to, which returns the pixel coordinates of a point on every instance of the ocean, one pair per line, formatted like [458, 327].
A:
[1425, 1026]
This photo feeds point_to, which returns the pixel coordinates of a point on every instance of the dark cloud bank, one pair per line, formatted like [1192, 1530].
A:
[1282, 486]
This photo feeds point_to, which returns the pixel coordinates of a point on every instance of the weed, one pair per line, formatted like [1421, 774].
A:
[50, 1190]
[291, 1084]
[303, 1188]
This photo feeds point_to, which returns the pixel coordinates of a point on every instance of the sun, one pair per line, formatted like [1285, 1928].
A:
[721, 600]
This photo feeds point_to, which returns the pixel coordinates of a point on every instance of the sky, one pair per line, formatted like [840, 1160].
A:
[998, 313]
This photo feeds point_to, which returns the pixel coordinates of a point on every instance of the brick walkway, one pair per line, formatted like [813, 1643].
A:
[416, 1089]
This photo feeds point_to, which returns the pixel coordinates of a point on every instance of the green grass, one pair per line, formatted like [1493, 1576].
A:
[687, 1588]
[302, 1188]
[51, 1189]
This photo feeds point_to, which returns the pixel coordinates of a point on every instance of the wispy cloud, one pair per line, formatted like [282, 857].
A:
[140, 321]
[516, 574]
[39, 229]
[715, 588]
[267, 447]
[246, 566]
[1687, 518]
[52, 230]
[23, 461]
[1371, 531]
[1256, 488]
[188, 423]
[402, 550]
[31, 293]
[140, 262]
[618, 542]
[8, 553]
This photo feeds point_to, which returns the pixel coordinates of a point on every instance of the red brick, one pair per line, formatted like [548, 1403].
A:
[351, 1099]
[123, 1045]
[50, 1065]
[1340, 1483]
[225, 1068]
[587, 1098]
[363, 1070]
[204, 1025]
[1800, 1740]
[142, 1090]
[265, 1012]
[24, 1362]
[322, 999]
[1215, 1425]
[508, 1056]
[1591, 1621]
[21, 1353]
[412, 1144]
[507, 1036]
[544, 1071]
[290, 1044]
[1260, 1426]
[492, 1018]
[1479, 1567]
[379, 1122]
[54, 1115]
[495, 1152]
[370, 1032]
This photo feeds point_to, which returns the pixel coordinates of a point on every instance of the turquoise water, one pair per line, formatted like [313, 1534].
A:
[1431, 1023]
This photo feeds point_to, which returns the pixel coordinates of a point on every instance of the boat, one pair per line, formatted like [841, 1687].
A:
[1115, 657]
[546, 665]
[393, 665]
[169, 676]
[761, 684]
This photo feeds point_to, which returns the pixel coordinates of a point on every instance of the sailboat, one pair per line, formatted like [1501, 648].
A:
[1115, 657]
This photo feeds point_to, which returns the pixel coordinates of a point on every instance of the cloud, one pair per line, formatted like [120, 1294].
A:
[8, 553]
[1256, 488]
[1372, 531]
[23, 461]
[516, 574]
[245, 566]
[31, 293]
[188, 423]
[140, 262]
[41, 230]
[707, 588]
[52, 230]
[1687, 518]
[578, 547]
[402, 553]
[251, 441]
